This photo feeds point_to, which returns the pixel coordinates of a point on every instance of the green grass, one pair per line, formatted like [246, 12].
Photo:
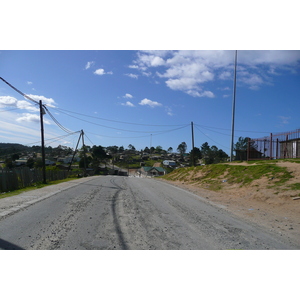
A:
[36, 186]
[294, 186]
[212, 175]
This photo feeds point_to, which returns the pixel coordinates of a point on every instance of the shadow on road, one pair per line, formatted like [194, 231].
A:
[5, 245]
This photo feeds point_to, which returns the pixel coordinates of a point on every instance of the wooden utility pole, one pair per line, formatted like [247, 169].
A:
[42, 112]
[74, 153]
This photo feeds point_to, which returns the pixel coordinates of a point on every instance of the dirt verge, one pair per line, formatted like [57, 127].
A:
[276, 208]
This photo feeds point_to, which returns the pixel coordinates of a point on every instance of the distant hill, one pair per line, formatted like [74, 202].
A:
[12, 148]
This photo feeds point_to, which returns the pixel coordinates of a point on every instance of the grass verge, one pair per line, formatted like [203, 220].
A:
[214, 176]
[36, 186]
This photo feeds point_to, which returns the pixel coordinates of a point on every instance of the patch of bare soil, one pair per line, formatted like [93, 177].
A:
[276, 209]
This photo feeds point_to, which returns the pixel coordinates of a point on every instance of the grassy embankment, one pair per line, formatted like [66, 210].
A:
[254, 173]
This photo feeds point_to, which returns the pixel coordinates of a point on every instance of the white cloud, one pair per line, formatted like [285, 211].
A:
[189, 71]
[147, 74]
[31, 118]
[133, 67]
[99, 72]
[169, 111]
[102, 72]
[48, 101]
[89, 64]
[226, 75]
[128, 103]
[207, 94]
[21, 104]
[128, 96]
[284, 120]
[150, 103]
[29, 82]
[132, 75]
[8, 101]
[182, 83]
[157, 61]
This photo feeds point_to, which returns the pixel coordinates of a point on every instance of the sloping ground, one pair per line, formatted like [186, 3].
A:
[267, 192]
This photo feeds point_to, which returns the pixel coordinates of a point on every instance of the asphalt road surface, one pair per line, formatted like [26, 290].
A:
[111, 212]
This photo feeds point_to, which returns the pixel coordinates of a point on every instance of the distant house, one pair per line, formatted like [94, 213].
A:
[49, 162]
[21, 162]
[153, 171]
[169, 163]
[290, 148]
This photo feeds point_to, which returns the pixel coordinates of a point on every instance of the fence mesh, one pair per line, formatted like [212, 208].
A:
[276, 146]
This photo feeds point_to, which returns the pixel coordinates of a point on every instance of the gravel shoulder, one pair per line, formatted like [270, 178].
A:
[277, 213]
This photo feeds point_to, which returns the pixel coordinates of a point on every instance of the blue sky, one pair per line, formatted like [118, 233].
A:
[148, 98]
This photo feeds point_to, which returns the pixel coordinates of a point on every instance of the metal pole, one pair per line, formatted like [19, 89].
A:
[193, 146]
[233, 108]
[42, 112]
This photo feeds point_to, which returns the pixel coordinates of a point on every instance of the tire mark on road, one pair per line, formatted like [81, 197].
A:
[117, 224]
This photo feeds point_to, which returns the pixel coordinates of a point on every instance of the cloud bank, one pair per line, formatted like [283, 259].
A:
[192, 71]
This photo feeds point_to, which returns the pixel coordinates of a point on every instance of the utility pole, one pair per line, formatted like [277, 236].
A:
[193, 146]
[42, 112]
[84, 155]
[74, 153]
[233, 108]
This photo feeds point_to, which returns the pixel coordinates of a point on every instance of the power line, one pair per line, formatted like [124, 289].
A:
[24, 95]
[120, 129]
[57, 123]
[89, 139]
[230, 129]
[115, 121]
[136, 137]
[211, 138]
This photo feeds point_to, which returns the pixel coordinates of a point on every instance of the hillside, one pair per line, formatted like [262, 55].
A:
[266, 192]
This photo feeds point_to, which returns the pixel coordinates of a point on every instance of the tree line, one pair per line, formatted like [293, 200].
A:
[98, 154]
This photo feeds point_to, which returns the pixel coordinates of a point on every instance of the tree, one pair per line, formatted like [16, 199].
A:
[9, 163]
[241, 147]
[131, 147]
[182, 148]
[158, 149]
[38, 164]
[15, 156]
[30, 163]
[195, 154]
[170, 150]
[112, 149]
[212, 155]
[241, 144]
[147, 150]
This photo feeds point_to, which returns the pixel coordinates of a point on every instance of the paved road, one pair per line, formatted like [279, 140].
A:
[111, 212]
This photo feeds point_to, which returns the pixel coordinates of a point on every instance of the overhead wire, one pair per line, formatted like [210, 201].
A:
[135, 137]
[120, 129]
[211, 138]
[24, 95]
[115, 121]
[88, 138]
[56, 122]
[230, 129]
